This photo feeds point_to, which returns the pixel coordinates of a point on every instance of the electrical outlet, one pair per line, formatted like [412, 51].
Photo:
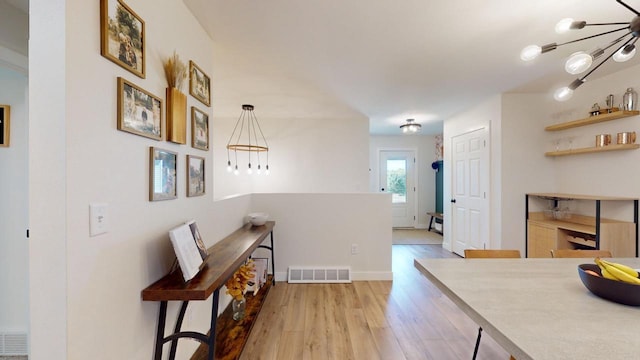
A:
[354, 249]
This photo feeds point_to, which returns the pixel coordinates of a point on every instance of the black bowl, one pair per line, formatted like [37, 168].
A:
[613, 290]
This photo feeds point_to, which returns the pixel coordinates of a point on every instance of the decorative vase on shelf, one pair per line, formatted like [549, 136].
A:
[176, 116]
[238, 307]
[630, 100]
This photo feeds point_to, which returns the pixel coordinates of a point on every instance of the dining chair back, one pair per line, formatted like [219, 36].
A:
[574, 253]
[489, 254]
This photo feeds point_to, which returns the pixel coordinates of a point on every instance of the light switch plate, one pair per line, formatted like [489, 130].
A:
[98, 218]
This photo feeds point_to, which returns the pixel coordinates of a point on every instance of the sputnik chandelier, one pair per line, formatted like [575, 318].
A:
[410, 127]
[581, 61]
[245, 138]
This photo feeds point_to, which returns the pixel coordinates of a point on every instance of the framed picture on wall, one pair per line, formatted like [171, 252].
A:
[139, 112]
[195, 176]
[162, 174]
[4, 125]
[122, 36]
[199, 84]
[199, 129]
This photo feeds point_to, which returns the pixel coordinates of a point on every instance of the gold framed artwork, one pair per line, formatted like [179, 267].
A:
[199, 84]
[163, 166]
[122, 36]
[195, 175]
[5, 131]
[139, 112]
[199, 129]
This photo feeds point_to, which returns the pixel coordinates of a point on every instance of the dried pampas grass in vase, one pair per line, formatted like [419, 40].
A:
[176, 71]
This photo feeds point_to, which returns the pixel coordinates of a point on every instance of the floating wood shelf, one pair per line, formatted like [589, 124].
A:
[614, 147]
[592, 120]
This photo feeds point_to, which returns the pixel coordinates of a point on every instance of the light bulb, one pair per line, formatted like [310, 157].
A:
[530, 52]
[259, 171]
[235, 171]
[266, 172]
[249, 171]
[564, 25]
[578, 62]
[563, 94]
[229, 169]
[625, 53]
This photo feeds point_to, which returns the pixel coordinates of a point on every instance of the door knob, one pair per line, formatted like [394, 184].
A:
[453, 201]
[382, 189]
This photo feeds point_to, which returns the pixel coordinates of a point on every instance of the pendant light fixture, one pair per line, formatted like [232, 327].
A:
[581, 61]
[410, 127]
[245, 138]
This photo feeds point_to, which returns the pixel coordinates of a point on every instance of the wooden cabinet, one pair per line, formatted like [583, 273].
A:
[588, 121]
[579, 231]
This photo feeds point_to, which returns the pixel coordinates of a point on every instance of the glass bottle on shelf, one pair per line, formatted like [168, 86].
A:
[630, 100]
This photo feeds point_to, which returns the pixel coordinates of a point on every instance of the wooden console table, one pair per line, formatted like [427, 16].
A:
[224, 258]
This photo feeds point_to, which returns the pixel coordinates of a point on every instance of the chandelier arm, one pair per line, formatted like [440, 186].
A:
[263, 138]
[605, 60]
[628, 7]
[241, 127]
[593, 36]
[616, 41]
[234, 130]
[613, 23]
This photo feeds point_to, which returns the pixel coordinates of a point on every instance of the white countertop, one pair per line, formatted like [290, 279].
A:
[538, 308]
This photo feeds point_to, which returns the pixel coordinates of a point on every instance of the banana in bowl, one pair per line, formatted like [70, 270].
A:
[621, 292]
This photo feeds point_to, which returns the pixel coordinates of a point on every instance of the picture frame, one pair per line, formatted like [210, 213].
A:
[163, 166]
[5, 122]
[199, 84]
[122, 36]
[199, 129]
[195, 176]
[139, 112]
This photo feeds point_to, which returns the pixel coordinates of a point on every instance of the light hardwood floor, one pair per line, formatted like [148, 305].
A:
[407, 318]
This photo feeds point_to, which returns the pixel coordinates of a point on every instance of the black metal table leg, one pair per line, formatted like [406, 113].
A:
[174, 343]
[273, 262]
[162, 318]
[212, 330]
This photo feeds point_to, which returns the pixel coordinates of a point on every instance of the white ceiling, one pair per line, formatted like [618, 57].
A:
[396, 59]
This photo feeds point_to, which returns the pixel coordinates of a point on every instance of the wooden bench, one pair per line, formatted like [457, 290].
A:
[439, 216]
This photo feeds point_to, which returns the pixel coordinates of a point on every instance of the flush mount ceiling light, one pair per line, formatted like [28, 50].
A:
[245, 138]
[580, 62]
[410, 127]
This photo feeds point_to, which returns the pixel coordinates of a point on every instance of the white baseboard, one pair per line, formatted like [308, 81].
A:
[355, 276]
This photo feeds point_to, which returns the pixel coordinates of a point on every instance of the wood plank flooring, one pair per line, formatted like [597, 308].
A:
[407, 318]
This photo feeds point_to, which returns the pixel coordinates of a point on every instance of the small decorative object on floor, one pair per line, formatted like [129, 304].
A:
[236, 286]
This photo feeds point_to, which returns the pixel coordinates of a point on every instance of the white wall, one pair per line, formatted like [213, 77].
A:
[523, 166]
[14, 307]
[47, 185]
[319, 229]
[93, 284]
[424, 147]
[610, 173]
[310, 155]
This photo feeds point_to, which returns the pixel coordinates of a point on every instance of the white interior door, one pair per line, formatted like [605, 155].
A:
[470, 204]
[397, 176]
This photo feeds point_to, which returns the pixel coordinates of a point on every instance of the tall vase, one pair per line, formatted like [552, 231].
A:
[176, 116]
[630, 100]
[238, 307]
